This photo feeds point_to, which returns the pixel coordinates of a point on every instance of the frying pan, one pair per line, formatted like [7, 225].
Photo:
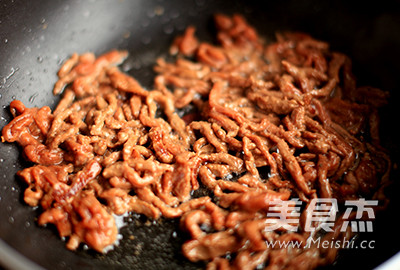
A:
[35, 37]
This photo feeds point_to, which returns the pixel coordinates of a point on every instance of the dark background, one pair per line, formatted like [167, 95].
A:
[36, 37]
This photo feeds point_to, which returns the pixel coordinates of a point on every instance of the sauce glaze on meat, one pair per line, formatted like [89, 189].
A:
[269, 121]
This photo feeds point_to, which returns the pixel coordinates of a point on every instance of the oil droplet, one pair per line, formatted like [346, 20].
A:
[159, 10]
[174, 14]
[39, 59]
[145, 23]
[150, 13]
[11, 220]
[27, 224]
[168, 29]
[120, 220]
[5, 41]
[126, 35]
[13, 97]
[13, 70]
[32, 98]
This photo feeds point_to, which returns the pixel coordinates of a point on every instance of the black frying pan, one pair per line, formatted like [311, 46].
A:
[35, 37]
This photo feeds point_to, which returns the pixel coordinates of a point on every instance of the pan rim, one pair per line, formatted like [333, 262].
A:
[12, 259]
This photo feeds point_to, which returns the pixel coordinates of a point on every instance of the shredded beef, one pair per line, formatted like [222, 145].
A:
[272, 121]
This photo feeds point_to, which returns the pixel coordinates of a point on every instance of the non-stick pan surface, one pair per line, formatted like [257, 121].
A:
[36, 36]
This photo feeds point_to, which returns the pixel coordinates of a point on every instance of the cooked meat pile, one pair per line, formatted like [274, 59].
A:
[247, 121]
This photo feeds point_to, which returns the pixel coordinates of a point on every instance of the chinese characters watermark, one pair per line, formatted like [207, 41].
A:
[321, 214]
